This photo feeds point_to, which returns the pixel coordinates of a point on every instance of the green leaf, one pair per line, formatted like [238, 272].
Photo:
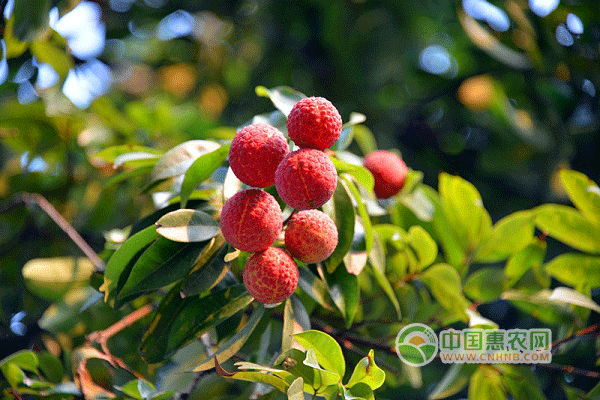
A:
[574, 269]
[24, 359]
[52, 278]
[161, 264]
[13, 374]
[284, 98]
[485, 285]
[123, 176]
[570, 296]
[47, 53]
[208, 270]
[177, 160]
[444, 283]
[136, 160]
[508, 236]
[119, 261]
[294, 316]
[423, 244]
[315, 288]
[419, 203]
[347, 134]
[486, 384]
[201, 170]
[464, 210]
[367, 372]
[29, 22]
[539, 306]
[343, 288]
[455, 379]
[365, 139]
[234, 343]
[305, 365]
[261, 376]
[377, 262]
[532, 257]
[583, 192]
[569, 226]
[188, 319]
[328, 351]
[344, 221]
[362, 175]
[362, 212]
[110, 154]
[187, 226]
[522, 382]
[296, 389]
[51, 367]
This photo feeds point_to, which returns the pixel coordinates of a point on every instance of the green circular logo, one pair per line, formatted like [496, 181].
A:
[416, 344]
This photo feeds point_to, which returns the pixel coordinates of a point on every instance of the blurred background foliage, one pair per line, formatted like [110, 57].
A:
[502, 93]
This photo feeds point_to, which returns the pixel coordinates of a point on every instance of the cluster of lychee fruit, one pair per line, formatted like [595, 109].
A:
[305, 179]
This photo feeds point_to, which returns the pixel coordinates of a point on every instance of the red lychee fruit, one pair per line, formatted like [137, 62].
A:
[251, 220]
[271, 276]
[255, 153]
[311, 236]
[389, 172]
[305, 179]
[314, 123]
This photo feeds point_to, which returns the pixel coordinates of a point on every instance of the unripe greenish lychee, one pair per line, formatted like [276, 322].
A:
[270, 276]
[305, 179]
[314, 123]
[251, 220]
[311, 236]
[255, 153]
[389, 172]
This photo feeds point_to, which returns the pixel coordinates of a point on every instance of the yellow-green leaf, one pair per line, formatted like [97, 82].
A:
[569, 226]
[583, 192]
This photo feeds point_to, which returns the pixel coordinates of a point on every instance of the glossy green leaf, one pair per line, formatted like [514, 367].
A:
[47, 53]
[13, 374]
[377, 262]
[283, 97]
[328, 351]
[344, 221]
[456, 379]
[420, 205]
[464, 210]
[485, 285]
[296, 389]
[315, 288]
[362, 175]
[531, 257]
[486, 384]
[177, 160]
[24, 359]
[234, 343]
[187, 226]
[260, 376]
[423, 245]
[508, 236]
[570, 296]
[347, 134]
[119, 261]
[161, 264]
[29, 22]
[444, 283]
[367, 372]
[569, 226]
[208, 270]
[305, 365]
[362, 212]
[583, 192]
[343, 289]
[574, 269]
[189, 319]
[201, 170]
[136, 160]
[110, 154]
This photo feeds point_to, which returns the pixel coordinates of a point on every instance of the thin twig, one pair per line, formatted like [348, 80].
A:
[578, 334]
[48, 208]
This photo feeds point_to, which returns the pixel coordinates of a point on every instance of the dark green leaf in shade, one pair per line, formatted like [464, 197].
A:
[209, 269]
[344, 221]
[456, 379]
[315, 288]
[30, 21]
[343, 289]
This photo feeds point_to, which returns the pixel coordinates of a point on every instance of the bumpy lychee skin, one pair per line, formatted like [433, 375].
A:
[311, 236]
[305, 179]
[255, 153]
[251, 220]
[314, 123]
[271, 276]
[389, 172]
